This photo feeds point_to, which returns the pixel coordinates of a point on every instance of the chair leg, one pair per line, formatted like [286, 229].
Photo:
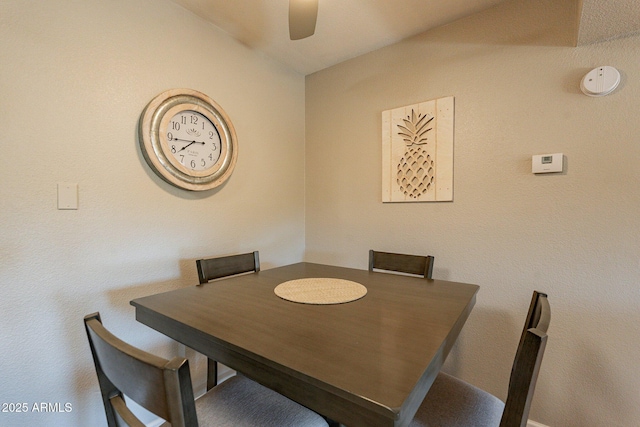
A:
[333, 423]
[212, 374]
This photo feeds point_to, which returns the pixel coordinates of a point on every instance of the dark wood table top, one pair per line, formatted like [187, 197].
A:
[365, 363]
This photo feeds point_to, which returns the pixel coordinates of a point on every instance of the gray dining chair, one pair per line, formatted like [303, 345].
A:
[452, 402]
[411, 264]
[164, 388]
[217, 268]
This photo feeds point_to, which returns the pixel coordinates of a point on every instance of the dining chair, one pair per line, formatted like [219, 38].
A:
[411, 264]
[452, 402]
[216, 268]
[164, 388]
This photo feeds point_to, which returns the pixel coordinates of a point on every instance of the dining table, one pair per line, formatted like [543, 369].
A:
[362, 359]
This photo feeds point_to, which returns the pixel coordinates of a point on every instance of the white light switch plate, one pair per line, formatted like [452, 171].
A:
[546, 163]
[67, 196]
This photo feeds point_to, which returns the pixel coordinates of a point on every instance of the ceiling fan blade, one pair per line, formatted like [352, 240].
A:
[302, 18]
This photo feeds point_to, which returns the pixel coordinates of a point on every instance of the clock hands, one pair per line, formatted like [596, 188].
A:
[189, 143]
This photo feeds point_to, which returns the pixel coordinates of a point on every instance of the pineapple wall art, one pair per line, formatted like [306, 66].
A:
[417, 152]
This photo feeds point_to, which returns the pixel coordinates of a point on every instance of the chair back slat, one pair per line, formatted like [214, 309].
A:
[215, 268]
[410, 264]
[526, 366]
[161, 386]
[124, 417]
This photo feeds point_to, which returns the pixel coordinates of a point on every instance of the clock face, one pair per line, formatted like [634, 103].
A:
[188, 140]
[193, 141]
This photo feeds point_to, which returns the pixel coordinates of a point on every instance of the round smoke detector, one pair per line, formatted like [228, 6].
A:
[600, 81]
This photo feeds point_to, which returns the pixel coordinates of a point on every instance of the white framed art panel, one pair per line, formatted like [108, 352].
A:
[417, 152]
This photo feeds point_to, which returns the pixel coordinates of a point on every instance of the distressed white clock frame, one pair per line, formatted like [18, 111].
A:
[152, 132]
[439, 147]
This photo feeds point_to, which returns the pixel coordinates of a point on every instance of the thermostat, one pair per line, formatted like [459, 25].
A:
[546, 163]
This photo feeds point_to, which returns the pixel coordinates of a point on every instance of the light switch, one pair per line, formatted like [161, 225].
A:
[546, 163]
[67, 196]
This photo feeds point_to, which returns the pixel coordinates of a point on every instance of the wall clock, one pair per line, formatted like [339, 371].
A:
[188, 140]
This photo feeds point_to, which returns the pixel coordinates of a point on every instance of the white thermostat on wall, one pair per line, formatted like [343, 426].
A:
[600, 81]
[546, 163]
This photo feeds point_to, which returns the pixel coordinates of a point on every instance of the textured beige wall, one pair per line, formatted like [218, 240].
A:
[575, 235]
[74, 78]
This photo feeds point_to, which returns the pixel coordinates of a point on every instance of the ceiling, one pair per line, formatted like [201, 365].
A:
[349, 28]
[606, 19]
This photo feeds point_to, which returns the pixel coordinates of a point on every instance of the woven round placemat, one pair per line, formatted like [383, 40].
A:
[320, 291]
